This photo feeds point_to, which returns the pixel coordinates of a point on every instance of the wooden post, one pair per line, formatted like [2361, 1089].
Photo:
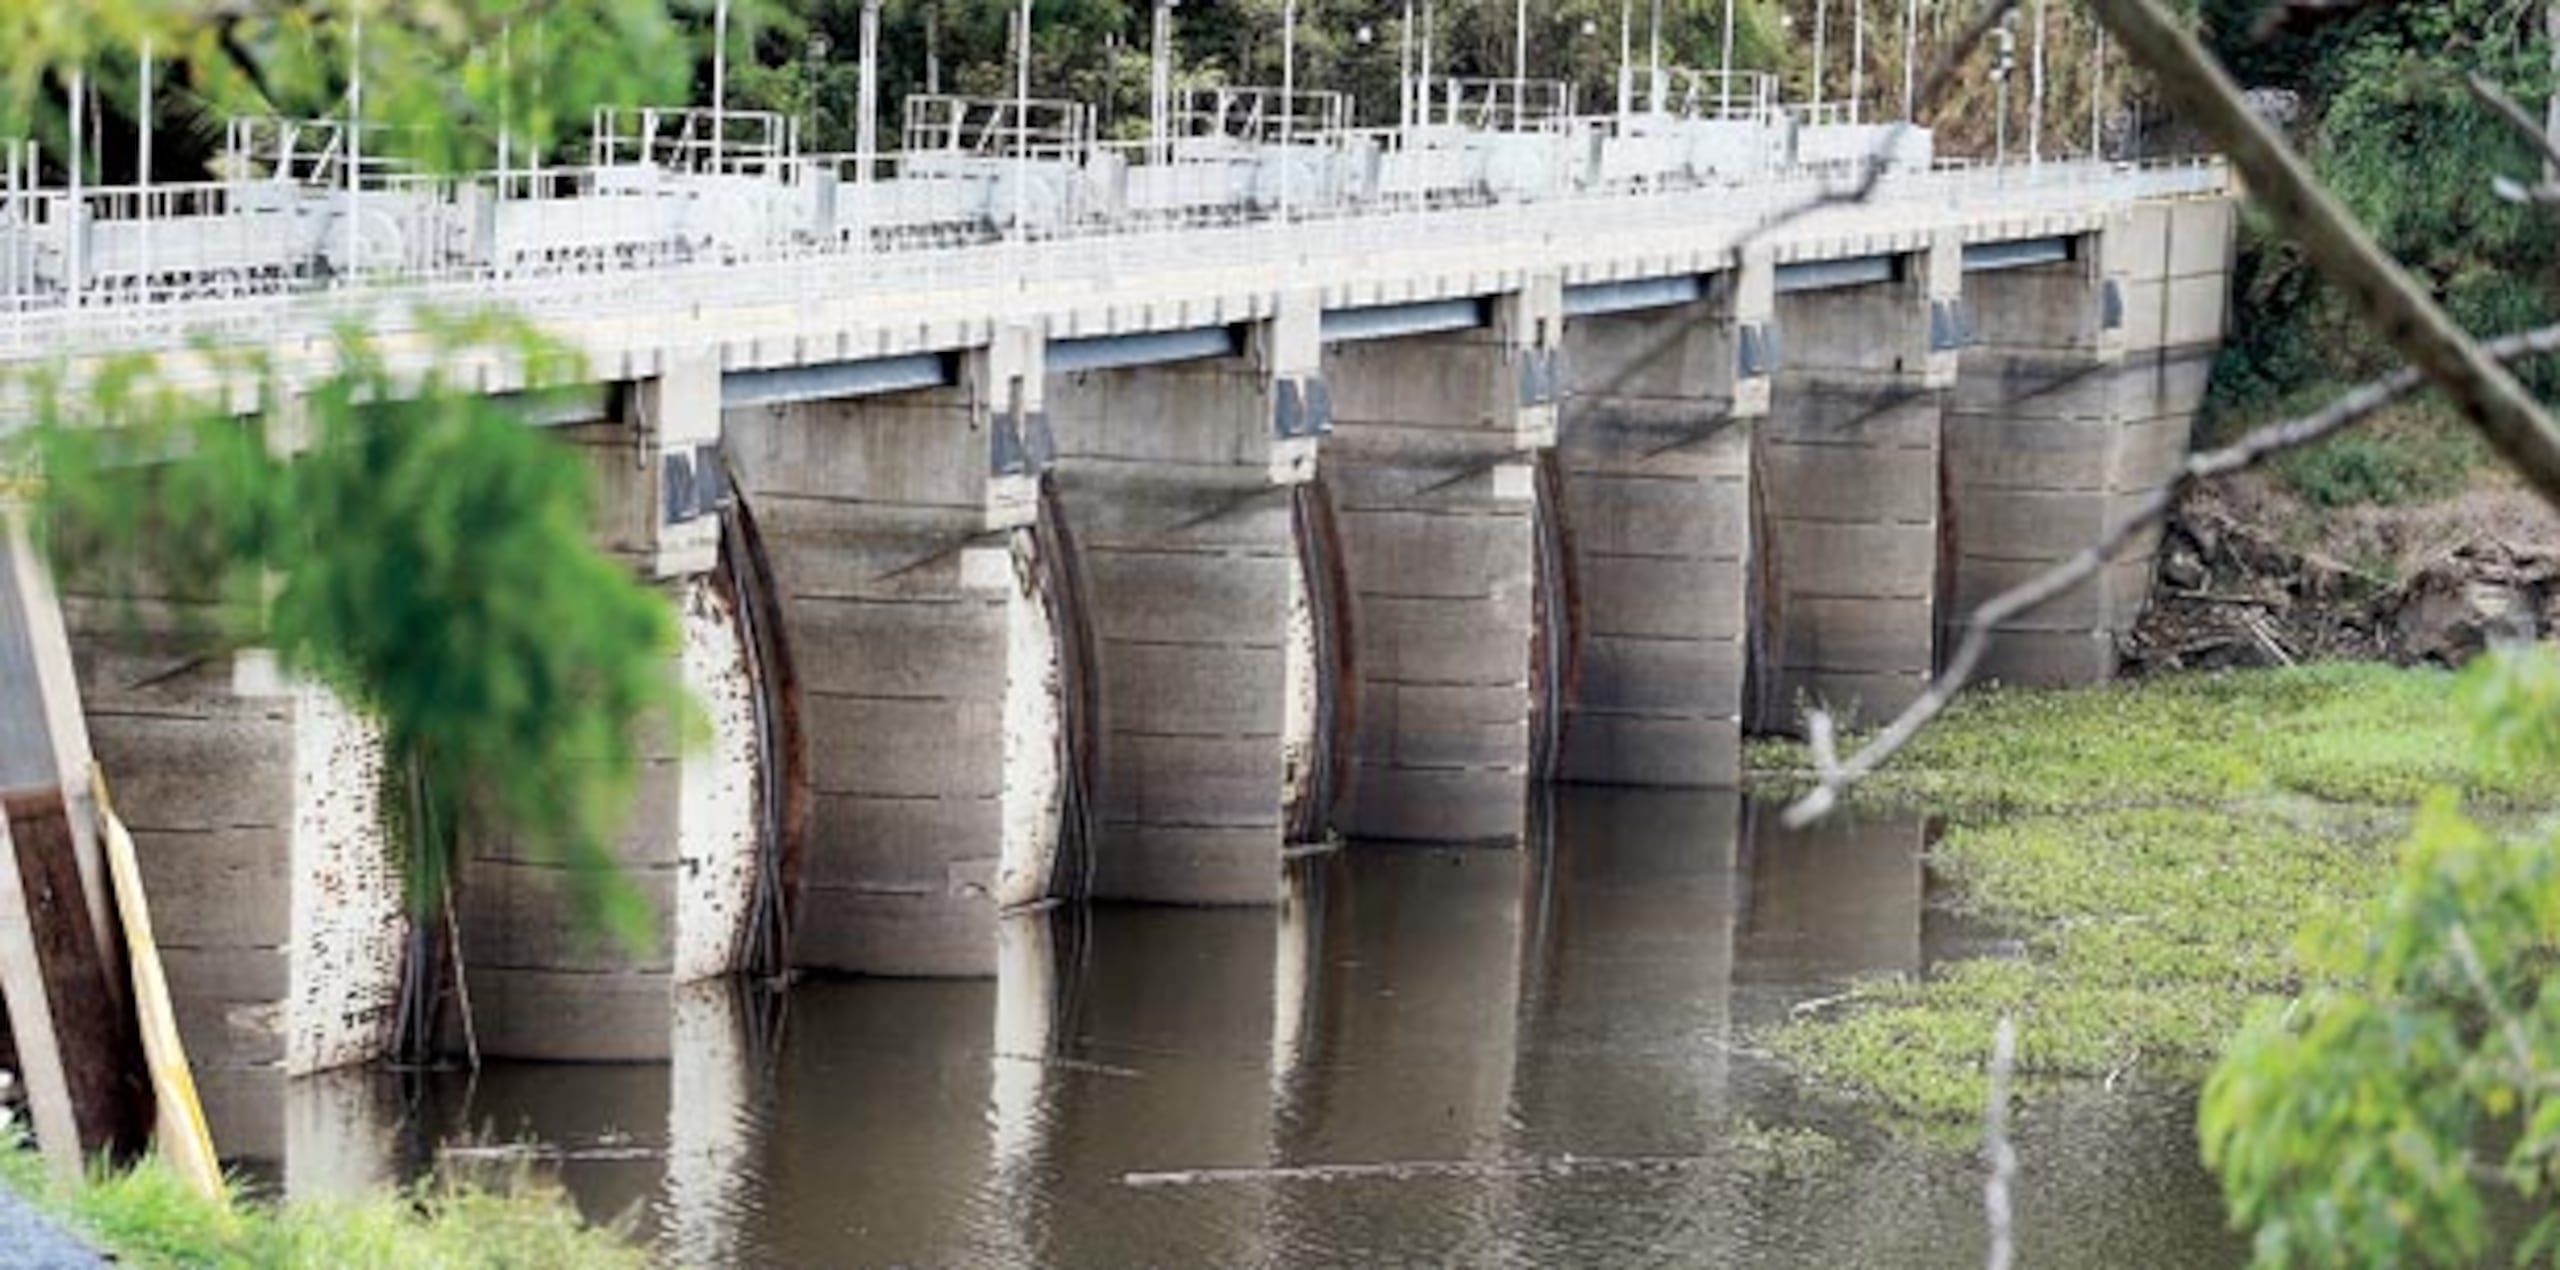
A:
[61, 963]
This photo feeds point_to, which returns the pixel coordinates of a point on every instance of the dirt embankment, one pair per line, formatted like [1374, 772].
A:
[2251, 575]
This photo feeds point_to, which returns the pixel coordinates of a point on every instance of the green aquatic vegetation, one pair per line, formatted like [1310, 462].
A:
[2156, 847]
[149, 1216]
[2341, 733]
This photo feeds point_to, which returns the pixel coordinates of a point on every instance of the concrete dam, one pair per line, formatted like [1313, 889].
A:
[1130, 557]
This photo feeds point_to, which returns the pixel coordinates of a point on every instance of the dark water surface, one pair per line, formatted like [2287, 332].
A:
[1426, 1057]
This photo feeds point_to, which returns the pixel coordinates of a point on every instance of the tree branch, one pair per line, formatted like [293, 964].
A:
[2379, 289]
[1835, 776]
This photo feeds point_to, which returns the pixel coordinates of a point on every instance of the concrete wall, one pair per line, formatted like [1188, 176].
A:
[1847, 472]
[2063, 420]
[1188, 567]
[1436, 502]
[543, 982]
[1655, 443]
[254, 807]
[893, 542]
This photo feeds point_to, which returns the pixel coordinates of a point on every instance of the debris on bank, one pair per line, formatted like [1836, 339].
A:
[2251, 576]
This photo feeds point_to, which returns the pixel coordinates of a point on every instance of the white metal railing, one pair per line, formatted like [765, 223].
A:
[1038, 128]
[1338, 241]
[692, 138]
[1517, 105]
[1259, 115]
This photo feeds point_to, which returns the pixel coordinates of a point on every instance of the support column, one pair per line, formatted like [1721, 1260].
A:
[897, 527]
[1175, 483]
[1656, 451]
[2075, 405]
[1434, 486]
[542, 984]
[1848, 491]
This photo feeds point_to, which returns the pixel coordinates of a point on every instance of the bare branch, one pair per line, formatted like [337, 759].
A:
[2379, 289]
[2506, 108]
[1834, 777]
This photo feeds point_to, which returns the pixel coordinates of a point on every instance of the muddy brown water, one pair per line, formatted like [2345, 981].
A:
[1427, 1057]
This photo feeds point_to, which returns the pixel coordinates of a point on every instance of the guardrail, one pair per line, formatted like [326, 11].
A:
[1095, 259]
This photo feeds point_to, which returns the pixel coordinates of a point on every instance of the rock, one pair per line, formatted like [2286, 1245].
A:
[2448, 618]
[2183, 571]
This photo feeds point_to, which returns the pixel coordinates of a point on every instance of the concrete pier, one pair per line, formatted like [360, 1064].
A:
[1174, 480]
[896, 525]
[1434, 489]
[1847, 471]
[2075, 402]
[1656, 449]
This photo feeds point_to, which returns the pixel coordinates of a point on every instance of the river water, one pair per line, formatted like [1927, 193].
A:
[1427, 1057]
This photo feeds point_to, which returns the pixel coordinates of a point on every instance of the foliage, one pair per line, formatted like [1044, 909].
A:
[2374, 1121]
[2422, 457]
[149, 1216]
[2139, 838]
[2391, 128]
[441, 78]
[428, 557]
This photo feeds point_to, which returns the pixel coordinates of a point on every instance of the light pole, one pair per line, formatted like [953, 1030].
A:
[1519, 63]
[1857, 61]
[1626, 58]
[719, 77]
[1288, 101]
[1160, 83]
[1021, 124]
[2035, 94]
[1910, 61]
[866, 135]
[1422, 91]
[1653, 64]
[2004, 58]
[1404, 74]
[1724, 105]
[1821, 33]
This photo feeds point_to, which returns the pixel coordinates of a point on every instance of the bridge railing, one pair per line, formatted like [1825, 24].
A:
[785, 273]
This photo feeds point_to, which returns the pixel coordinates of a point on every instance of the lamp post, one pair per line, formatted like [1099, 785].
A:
[719, 77]
[1404, 74]
[1910, 61]
[1821, 34]
[1519, 63]
[1160, 83]
[1653, 64]
[1626, 58]
[2004, 59]
[866, 133]
[1857, 61]
[1021, 125]
[2035, 94]
[1724, 106]
[1288, 100]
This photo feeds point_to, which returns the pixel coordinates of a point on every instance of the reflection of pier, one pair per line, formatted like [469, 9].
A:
[1462, 1019]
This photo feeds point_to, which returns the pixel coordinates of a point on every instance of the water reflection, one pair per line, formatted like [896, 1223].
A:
[1425, 1056]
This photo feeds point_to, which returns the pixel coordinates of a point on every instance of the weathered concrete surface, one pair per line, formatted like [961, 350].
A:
[2062, 421]
[544, 984]
[1182, 522]
[1655, 443]
[1436, 502]
[1847, 483]
[254, 806]
[891, 534]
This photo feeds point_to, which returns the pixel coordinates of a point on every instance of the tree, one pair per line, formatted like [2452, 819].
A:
[428, 555]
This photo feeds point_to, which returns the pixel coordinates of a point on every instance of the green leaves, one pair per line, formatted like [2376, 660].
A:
[2372, 1121]
[428, 557]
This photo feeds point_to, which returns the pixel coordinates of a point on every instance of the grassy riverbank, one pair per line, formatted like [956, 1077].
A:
[148, 1217]
[2157, 848]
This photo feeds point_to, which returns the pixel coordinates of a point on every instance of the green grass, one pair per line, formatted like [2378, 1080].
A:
[2156, 847]
[147, 1216]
